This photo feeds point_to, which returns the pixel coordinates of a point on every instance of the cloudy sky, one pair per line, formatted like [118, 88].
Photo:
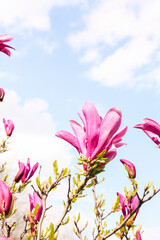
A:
[67, 51]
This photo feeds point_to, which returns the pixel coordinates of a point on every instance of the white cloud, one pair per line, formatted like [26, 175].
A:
[34, 137]
[27, 14]
[34, 133]
[129, 33]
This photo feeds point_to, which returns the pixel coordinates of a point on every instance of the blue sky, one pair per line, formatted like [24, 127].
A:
[68, 51]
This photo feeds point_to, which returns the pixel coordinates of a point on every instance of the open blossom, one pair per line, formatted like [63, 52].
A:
[9, 127]
[151, 128]
[23, 173]
[6, 198]
[130, 166]
[125, 205]
[98, 133]
[2, 93]
[4, 47]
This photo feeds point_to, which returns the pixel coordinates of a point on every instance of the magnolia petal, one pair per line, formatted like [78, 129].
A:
[92, 126]
[109, 125]
[5, 38]
[27, 169]
[20, 172]
[153, 136]
[32, 171]
[151, 125]
[80, 135]
[69, 138]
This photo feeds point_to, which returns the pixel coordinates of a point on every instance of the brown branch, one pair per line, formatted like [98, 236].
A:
[141, 202]
[70, 197]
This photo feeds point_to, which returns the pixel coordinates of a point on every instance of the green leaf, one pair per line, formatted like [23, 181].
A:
[51, 234]
[101, 154]
[55, 168]
[89, 185]
[66, 221]
[50, 180]
[115, 204]
[74, 200]
[125, 190]
[35, 210]
[65, 171]
[78, 218]
[38, 183]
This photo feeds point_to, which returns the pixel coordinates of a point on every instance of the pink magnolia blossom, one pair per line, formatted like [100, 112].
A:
[151, 128]
[33, 201]
[130, 166]
[3, 47]
[126, 203]
[5, 198]
[98, 133]
[9, 127]
[138, 236]
[2, 93]
[4, 238]
[23, 173]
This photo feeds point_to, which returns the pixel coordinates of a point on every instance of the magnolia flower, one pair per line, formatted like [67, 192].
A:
[2, 93]
[33, 219]
[9, 126]
[151, 128]
[128, 206]
[130, 167]
[138, 236]
[4, 47]
[98, 133]
[6, 199]
[23, 173]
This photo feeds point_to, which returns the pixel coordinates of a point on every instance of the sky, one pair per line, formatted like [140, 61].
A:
[70, 51]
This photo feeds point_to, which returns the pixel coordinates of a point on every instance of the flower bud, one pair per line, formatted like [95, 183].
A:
[8, 127]
[138, 236]
[2, 93]
[25, 172]
[130, 168]
[6, 199]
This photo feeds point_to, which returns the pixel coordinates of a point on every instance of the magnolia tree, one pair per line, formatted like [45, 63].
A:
[97, 142]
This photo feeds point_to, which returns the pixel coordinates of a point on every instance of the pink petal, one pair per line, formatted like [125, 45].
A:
[80, 135]
[110, 124]
[69, 138]
[5, 38]
[32, 171]
[92, 126]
